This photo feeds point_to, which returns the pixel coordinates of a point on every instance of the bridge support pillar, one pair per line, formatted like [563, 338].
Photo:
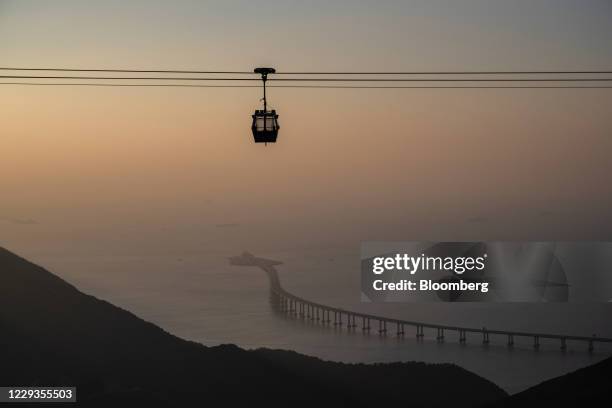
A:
[485, 337]
[382, 327]
[511, 340]
[462, 338]
[536, 342]
[366, 324]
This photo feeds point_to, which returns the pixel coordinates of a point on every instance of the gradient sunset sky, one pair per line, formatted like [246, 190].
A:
[98, 164]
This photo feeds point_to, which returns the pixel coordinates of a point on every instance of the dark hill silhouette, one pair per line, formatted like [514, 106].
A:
[585, 387]
[52, 334]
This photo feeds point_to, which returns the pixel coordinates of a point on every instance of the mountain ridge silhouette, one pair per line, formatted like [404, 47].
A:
[584, 387]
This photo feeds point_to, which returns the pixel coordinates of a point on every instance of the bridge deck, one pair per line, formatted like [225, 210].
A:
[290, 302]
[284, 293]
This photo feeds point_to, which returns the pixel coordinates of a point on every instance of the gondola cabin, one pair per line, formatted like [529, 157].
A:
[265, 122]
[265, 126]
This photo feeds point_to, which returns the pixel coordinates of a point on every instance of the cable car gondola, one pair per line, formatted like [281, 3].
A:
[265, 122]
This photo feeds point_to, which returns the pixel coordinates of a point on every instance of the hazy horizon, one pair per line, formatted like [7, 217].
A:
[92, 165]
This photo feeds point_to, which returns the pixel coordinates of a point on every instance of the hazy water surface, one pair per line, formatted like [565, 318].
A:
[199, 296]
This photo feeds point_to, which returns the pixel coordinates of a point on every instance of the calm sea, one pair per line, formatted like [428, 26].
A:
[199, 296]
